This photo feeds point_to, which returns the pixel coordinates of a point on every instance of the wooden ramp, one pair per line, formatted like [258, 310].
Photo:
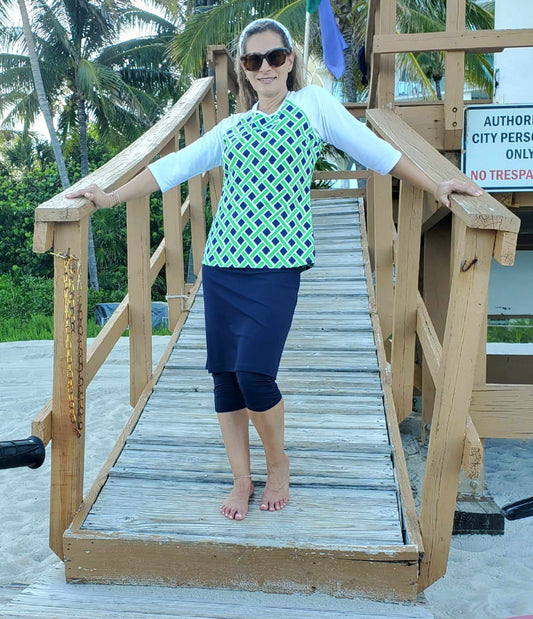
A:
[156, 519]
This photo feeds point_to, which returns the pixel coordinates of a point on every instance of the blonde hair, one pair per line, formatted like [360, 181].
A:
[247, 95]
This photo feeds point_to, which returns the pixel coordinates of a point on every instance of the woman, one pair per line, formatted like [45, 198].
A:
[261, 238]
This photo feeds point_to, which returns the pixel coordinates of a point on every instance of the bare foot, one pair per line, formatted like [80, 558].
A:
[276, 494]
[235, 507]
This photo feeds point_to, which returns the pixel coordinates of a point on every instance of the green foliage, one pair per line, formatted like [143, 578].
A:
[515, 331]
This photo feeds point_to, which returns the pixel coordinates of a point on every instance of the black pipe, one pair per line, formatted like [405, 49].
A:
[519, 509]
[29, 452]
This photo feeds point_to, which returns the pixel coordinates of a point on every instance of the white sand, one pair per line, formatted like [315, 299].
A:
[489, 577]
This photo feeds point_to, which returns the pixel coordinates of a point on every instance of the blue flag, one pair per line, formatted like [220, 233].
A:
[332, 42]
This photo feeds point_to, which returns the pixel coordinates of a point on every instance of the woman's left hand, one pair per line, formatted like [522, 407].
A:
[445, 188]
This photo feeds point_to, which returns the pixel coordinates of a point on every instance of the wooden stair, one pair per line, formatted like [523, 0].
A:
[156, 519]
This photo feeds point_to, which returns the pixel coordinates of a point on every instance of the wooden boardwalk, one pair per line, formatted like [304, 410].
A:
[156, 519]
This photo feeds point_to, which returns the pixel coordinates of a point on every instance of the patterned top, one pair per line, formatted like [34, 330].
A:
[263, 219]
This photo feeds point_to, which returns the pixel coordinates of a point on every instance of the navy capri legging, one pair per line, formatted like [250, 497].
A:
[237, 390]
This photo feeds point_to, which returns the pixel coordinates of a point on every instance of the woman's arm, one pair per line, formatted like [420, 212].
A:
[405, 170]
[142, 185]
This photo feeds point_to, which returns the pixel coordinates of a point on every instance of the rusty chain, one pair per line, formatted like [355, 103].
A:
[74, 327]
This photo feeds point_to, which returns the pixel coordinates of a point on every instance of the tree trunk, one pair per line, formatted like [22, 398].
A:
[41, 95]
[84, 157]
[343, 10]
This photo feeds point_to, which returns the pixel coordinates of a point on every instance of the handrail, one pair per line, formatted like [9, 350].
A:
[482, 229]
[62, 223]
[484, 212]
[128, 162]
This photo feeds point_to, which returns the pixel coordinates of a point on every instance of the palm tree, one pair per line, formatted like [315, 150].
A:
[88, 76]
[41, 95]
[223, 22]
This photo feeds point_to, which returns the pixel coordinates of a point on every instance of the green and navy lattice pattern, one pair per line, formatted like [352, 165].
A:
[264, 215]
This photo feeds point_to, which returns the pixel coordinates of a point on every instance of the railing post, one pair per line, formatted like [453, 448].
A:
[173, 229]
[387, 63]
[370, 211]
[383, 251]
[436, 294]
[68, 408]
[455, 75]
[468, 298]
[215, 175]
[198, 235]
[405, 298]
[140, 295]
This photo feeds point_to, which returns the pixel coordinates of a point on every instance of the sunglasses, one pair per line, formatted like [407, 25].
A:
[274, 57]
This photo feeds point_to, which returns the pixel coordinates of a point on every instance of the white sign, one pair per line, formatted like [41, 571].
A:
[498, 146]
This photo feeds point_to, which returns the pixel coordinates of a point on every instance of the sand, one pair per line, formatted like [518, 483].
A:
[488, 577]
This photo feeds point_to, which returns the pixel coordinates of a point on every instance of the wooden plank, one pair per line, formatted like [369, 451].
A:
[337, 193]
[408, 509]
[388, 575]
[454, 390]
[471, 41]
[299, 340]
[129, 161]
[429, 340]
[51, 597]
[482, 212]
[405, 298]
[140, 296]
[503, 411]
[315, 383]
[340, 174]
[363, 361]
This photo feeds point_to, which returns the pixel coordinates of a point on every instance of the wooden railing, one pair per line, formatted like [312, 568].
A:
[442, 325]
[61, 225]
[481, 229]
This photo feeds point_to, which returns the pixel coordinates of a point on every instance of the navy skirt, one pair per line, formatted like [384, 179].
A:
[248, 314]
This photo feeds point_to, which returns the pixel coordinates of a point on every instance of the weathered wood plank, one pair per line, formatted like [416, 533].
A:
[51, 597]
[343, 361]
[316, 383]
[298, 340]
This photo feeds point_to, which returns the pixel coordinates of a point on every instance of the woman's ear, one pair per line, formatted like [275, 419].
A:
[290, 59]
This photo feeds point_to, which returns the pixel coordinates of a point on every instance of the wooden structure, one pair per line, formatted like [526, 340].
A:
[444, 321]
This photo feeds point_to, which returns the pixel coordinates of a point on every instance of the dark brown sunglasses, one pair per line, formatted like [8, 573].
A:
[274, 57]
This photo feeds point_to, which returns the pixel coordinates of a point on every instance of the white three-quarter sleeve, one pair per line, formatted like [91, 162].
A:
[335, 125]
[203, 154]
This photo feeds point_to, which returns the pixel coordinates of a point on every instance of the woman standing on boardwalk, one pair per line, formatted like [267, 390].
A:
[262, 237]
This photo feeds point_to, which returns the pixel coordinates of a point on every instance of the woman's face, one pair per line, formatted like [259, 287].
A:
[267, 81]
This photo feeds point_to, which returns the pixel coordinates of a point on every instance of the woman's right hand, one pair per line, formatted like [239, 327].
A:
[99, 198]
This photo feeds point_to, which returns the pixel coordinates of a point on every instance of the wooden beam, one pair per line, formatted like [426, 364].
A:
[405, 298]
[468, 298]
[340, 175]
[140, 296]
[503, 411]
[505, 247]
[429, 340]
[43, 237]
[68, 409]
[455, 76]
[472, 41]
[337, 193]
[386, 67]
[477, 212]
